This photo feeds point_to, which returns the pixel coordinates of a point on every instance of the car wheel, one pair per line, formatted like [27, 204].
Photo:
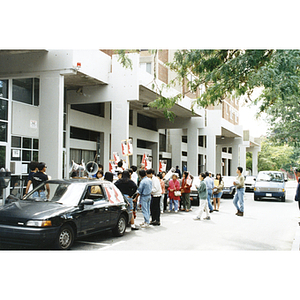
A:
[120, 228]
[282, 199]
[256, 198]
[65, 238]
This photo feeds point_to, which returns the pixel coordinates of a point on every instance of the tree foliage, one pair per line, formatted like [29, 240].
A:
[273, 157]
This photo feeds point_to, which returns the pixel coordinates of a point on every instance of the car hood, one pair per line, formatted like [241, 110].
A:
[30, 210]
[269, 184]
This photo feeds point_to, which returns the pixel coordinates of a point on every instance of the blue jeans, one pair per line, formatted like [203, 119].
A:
[239, 197]
[37, 195]
[209, 195]
[145, 201]
[175, 204]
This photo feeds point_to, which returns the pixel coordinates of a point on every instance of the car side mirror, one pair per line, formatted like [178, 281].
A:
[87, 202]
[254, 179]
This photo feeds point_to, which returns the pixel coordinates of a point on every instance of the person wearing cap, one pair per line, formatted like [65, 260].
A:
[38, 178]
[297, 196]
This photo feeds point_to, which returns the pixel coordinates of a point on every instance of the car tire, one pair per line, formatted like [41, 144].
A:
[65, 238]
[256, 198]
[120, 228]
[282, 199]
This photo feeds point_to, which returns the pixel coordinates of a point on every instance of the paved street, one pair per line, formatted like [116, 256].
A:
[266, 225]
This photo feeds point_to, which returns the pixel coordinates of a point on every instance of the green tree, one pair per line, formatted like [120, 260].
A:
[273, 157]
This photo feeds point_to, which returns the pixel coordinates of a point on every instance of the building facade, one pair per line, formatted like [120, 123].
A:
[64, 105]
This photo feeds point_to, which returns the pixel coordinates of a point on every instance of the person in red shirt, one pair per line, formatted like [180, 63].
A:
[186, 184]
[174, 186]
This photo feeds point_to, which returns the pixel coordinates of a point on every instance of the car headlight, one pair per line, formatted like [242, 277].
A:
[36, 223]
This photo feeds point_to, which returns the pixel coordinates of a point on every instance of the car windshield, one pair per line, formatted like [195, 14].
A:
[270, 176]
[62, 193]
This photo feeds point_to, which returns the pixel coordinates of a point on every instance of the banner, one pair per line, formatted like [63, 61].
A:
[147, 161]
[124, 147]
[162, 166]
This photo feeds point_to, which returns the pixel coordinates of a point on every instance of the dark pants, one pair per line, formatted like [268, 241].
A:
[165, 202]
[299, 204]
[155, 209]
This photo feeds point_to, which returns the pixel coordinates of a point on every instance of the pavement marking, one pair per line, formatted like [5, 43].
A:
[111, 245]
[93, 243]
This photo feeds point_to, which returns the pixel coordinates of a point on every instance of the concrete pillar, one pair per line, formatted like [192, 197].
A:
[242, 162]
[51, 122]
[119, 125]
[235, 162]
[192, 149]
[211, 154]
[155, 156]
[219, 159]
[254, 161]
[175, 141]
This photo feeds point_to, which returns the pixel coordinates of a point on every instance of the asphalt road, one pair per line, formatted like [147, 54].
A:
[266, 225]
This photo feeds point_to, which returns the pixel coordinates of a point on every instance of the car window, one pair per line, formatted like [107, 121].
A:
[94, 192]
[270, 176]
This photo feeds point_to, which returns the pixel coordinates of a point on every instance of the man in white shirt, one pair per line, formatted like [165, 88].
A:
[156, 195]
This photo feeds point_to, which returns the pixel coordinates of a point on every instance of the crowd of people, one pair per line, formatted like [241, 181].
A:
[155, 194]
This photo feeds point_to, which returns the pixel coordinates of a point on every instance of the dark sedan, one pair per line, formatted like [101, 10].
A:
[72, 209]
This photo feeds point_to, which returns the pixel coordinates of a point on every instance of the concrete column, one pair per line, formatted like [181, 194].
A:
[175, 141]
[219, 159]
[119, 125]
[242, 161]
[51, 122]
[235, 162]
[255, 161]
[211, 154]
[192, 149]
[155, 156]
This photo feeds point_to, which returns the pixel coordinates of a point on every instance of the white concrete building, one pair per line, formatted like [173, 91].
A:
[63, 105]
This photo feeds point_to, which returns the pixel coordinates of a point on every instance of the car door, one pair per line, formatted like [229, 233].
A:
[96, 216]
[116, 202]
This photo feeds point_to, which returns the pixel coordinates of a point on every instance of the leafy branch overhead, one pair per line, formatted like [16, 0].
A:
[219, 74]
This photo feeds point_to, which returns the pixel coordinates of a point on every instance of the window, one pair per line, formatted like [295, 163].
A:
[224, 149]
[184, 153]
[95, 193]
[3, 119]
[146, 67]
[26, 90]
[78, 155]
[4, 88]
[146, 122]
[84, 134]
[201, 140]
[184, 139]
[24, 149]
[96, 109]
[230, 150]
[130, 117]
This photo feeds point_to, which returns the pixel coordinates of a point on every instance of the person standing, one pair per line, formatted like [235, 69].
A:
[128, 189]
[297, 196]
[37, 179]
[185, 191]
[202, 192]
[163, 190]
[134, 175]
[240, 191]
[209, 186]
[166, 182]
[144, 191]
[155, 198]
[178, 172]
[33, 169]
[174, 187]
[218, 192]
[109, 176]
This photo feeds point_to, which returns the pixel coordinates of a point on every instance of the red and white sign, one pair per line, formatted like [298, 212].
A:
[162, 166]
[127, 148]
[147, 161]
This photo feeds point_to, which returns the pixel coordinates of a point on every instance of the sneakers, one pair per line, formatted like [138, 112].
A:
[161, 211]
[176, 211]
[144, 225]
[155, 223]
[240, 214]
[169, 210]
[134, 227]
[197, 219]
[207, 218]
